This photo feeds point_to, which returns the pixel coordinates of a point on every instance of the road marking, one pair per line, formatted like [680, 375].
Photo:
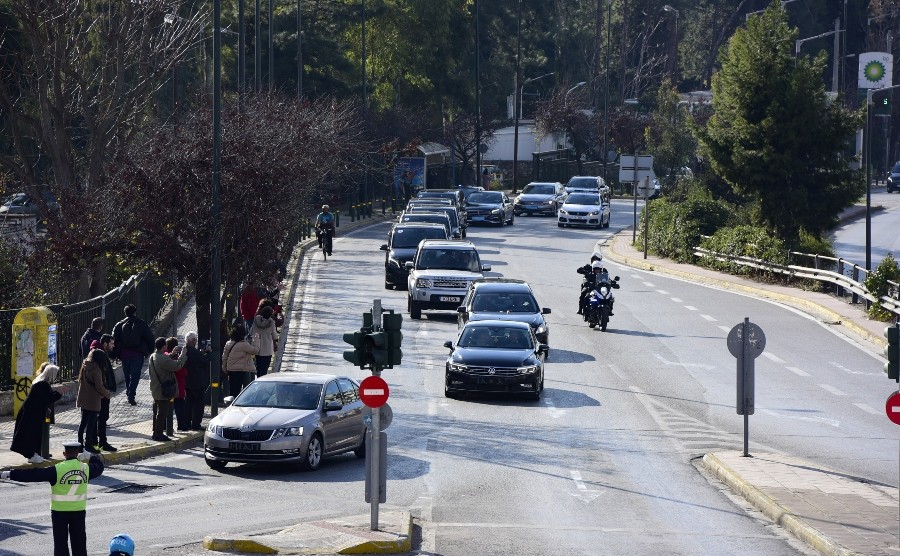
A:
[690, 308]
[616, 371]
[637, 276]
[677, 300]
[868, 409]
[709, 318]
[664, 292]
[649, 285]
[797, 371]
[772, 357]
[584, 494]
[852, 372]
[831, 389]
[685, 365]
[825, 420]
[724, 328]
[555, 412]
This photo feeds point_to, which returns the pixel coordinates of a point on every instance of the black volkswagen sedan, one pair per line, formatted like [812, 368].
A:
[401, 247]
[505, 299]
[490, 207]
[495, 356]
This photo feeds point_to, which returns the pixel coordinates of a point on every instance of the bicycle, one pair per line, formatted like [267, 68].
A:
[325, 241]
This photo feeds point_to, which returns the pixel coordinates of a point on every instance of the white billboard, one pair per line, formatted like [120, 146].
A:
[875, 70]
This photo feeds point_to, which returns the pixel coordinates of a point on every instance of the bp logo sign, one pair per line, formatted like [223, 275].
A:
[875, 70]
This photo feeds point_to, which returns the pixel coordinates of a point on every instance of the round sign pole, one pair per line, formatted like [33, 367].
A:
[374, 391]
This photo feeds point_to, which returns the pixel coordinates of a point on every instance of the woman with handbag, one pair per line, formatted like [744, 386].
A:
[163, 386]
[38, 403]
[90, 391]
[264, 327]
[237, 359]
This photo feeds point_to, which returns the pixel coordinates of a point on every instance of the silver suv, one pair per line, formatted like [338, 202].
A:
[440, 275]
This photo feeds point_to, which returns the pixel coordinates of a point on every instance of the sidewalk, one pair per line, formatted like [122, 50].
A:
[834, 513]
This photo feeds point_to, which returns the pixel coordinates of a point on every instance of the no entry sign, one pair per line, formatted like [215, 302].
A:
[373, 391]
[892, 408]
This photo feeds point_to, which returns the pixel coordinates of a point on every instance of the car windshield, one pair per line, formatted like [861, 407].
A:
[582, 183]
[538, 189]
[496, 337]
[583, 199]
[486, 198]
[449, 259]
[428, 217]
[407, 238]
[499, 302]
[449, 211]
[286, 395]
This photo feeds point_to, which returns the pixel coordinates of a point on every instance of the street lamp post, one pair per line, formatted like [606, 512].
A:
[242, 63]
[215, 212]
[299, 52]
[271, 49]
[257, 51]
[577, 85]
[515, 184]
[606, 91]
[517, 112]
[477, 97]
[674, 71]
[783, 2]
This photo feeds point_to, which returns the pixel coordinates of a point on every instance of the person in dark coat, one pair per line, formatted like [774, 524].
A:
[92, 334]
[105, 346]
[197, 380]
[30, 419]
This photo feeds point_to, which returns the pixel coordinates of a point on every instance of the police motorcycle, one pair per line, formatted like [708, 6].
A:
[597, 300]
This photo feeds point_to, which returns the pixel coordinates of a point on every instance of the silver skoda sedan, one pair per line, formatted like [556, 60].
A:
[288, 417]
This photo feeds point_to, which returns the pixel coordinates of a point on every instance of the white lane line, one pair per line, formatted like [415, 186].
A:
[852, 372]
[677, 300]
[832, 389]
[616, 371]
[583, 494]
[555, 412]
[649, 285]
[637, 276]
[709, 318]
[664, 292]
[867, 408]
[799, 372]
[690, 308]
[772, 357]
[724, 328]
[825, 420]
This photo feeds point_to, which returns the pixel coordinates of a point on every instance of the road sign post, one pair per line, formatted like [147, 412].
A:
[746, 341]
[374, 392]
[635, 169]
[892, 408]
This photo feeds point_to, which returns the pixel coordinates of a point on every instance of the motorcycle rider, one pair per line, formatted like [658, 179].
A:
[324, 223]
[587, 284]
[594, 275]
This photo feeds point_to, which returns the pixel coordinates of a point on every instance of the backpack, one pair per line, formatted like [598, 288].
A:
[131, 339]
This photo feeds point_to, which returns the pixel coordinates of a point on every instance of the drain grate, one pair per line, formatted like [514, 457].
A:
[133, 488]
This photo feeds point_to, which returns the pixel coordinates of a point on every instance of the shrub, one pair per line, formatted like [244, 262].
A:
[877, 284]
[675, 227]
[745, 241]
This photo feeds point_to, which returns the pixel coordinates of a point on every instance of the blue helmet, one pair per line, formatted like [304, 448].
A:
[121, 544]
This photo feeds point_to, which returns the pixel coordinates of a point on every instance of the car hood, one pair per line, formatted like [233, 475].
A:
[433, 272]
[483, 206]
[580, 208]
[534, 198]
[403, 254]
[261, 418]
[482, 357]
[534, 319]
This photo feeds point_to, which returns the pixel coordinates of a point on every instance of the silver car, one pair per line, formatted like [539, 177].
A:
[288, 417]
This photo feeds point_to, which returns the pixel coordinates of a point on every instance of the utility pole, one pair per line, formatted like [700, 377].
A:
[477, 98]
[271, 50]
[516, 98]
[257, 51]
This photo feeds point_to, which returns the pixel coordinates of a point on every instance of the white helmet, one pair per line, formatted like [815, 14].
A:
[596, 264]
[596, 256]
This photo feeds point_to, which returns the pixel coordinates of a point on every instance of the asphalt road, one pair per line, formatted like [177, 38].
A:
[602, 464]
[850, 239]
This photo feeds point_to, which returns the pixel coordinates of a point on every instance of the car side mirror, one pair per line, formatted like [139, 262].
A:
[545, 311]
[334, 405]
[383, 247]
[485, 268]
[408, 265]
[227, 400]
[461, 309]
[448, 344]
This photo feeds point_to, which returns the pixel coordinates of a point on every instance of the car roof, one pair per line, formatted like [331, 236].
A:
[495, 323]
[501, 284]
[445, 244]
[543, 183]
[294, 376]
[424, 225]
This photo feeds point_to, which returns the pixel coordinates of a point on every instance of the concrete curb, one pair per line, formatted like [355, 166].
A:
[771, 509]
[807, 305]
[403, 543]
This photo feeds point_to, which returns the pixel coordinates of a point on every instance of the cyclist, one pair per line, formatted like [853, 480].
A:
[325, 223]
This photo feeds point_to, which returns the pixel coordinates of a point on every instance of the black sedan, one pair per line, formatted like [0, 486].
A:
[540, 198]
[495, 356]
[893, 180]
[490, 207]
[505, 299]
[401, 247]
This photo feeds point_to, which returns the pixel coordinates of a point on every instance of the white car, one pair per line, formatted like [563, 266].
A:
[584, 209]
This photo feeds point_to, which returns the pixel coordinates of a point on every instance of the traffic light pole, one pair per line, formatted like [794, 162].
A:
[375, 434]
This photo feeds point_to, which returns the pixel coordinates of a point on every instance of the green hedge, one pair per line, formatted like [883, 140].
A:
[877, 284]
[676, 227]
[745, 241]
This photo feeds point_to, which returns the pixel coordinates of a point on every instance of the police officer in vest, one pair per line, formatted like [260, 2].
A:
[68, 495]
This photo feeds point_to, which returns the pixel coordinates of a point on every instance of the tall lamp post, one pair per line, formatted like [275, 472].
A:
[477, 98]
[515, 184]
[673, 74]
[242, 63]
[271, 50]
[606, 91]
[299, 52]
[577, 85]
[517, 110]
[257, 51]
[215, 211]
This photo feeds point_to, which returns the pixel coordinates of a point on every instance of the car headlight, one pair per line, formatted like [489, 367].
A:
[517, 201]
[563, 211]
[496, 211]
[287, 431]
[458, 367]
[530, 369]
[594, 213]
[214, 429]
[423, 283]
[542, 329]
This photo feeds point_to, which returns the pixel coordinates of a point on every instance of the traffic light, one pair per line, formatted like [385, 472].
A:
[892, 352]
[358, 355]
[393, 322]
[376, 352]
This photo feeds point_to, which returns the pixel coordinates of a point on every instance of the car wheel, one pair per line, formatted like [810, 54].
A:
[313, 456]
[512, 219]
[360, 450]
[415, 312]
[216, 464]
[388, 286]
[560, 225]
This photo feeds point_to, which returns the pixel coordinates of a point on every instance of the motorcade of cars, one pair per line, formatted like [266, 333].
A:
[497, 357]
[457, 223]
[403, 241]
[428, 218]
[490, 207]
[587, 183]
[468, 190]
[288, 417]
[429, 203]
[540, 198]
[584, 209]
[504, 299]
[440, 274]
[458, 198]
[893, 179]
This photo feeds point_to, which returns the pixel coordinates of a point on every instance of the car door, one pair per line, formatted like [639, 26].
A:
[352, 426]
[331, 420]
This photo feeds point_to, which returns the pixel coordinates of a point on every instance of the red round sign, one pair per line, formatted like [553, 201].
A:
[892, 408]
[373, 391]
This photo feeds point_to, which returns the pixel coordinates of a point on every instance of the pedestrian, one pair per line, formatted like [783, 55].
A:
[90, 392]
[121, 545]
[486, 180]
[105, 348]
[237, 360]
[68, 495]
[265, 328]
[133, 342]
[90, 335]
[178, 404]
[197, 379]
[163, 386]
[248, 304]
[29, 430]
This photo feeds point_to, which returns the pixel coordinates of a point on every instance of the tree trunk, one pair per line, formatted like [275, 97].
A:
[202, 295]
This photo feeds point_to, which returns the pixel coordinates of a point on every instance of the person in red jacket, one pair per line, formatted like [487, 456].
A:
[249, 305]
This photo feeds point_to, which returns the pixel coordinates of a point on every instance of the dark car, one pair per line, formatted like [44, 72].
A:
[590, 184]
[288, 417]
[401, 247]
[540, 198]
[457, 223]
[504, 299]
[495, 356]
[490, 207]
[893, 181]
[21, 204]
[467, 190]
[428, 218]
[458, 198]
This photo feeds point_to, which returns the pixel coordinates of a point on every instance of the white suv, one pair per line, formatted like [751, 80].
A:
[440, 275]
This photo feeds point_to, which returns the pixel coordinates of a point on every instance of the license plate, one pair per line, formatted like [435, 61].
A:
[477, 218]
[449, 299]
[244, 446]
[531, 207]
